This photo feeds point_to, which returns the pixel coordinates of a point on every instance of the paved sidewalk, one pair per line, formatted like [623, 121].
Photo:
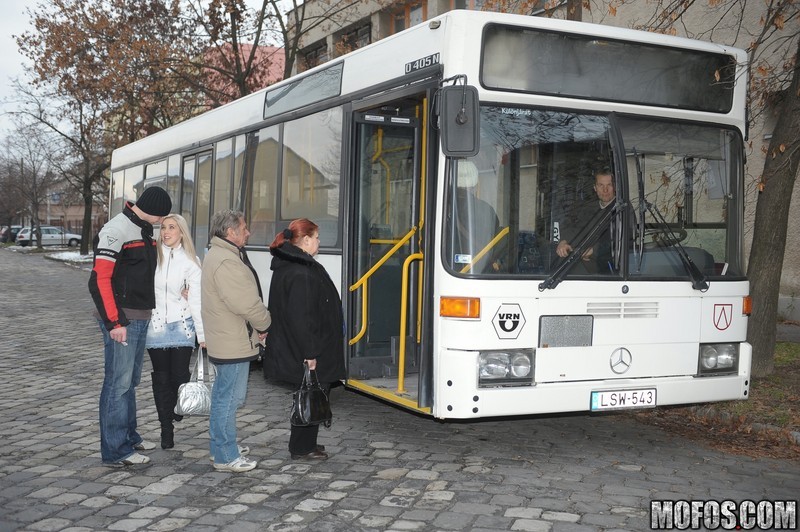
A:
[389, 469]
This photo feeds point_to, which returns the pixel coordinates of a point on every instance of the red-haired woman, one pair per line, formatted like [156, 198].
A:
[307, 323]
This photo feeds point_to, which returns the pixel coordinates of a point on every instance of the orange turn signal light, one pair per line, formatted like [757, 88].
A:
[747, 305]
[460, 307]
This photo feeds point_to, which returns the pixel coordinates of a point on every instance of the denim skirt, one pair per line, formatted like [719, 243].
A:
[175, 334]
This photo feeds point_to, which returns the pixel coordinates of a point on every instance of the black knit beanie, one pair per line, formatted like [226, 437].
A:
[155, 202]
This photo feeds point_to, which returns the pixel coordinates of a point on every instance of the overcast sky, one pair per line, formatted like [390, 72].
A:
[14, 21]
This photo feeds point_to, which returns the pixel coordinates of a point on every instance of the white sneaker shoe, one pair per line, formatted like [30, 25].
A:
[144, 446]
[244, 450]
[134, 459]
[239, 465]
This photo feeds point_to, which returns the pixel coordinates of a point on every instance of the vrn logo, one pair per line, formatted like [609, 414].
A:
[508, 321]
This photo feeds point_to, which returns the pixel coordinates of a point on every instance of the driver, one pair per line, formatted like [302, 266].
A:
[597, 258]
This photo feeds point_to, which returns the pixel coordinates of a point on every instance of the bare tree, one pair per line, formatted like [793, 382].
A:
[26, 164]
[227, 50]
[771, 223]
[79, 146]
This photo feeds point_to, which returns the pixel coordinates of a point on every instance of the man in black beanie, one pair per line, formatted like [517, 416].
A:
[121, 285]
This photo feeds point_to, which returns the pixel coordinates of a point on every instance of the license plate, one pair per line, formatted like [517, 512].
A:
[620, 399]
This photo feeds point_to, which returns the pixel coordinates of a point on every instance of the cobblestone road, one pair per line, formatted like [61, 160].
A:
[389, 469]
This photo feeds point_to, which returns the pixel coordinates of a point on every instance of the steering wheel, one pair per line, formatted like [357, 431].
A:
[664, 236]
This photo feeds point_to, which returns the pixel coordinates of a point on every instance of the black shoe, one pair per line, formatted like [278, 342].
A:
[313, 455]
[176, 417]
[321, 448]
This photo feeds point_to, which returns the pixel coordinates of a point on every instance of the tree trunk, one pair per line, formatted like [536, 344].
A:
[86, 232]
[769, 232]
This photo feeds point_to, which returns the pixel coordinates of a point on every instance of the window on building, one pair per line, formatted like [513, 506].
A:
[410, 15]
[475, 5]
[354, 39]
[316, 56]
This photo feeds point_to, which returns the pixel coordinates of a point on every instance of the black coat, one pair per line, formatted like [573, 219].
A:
[307, 319]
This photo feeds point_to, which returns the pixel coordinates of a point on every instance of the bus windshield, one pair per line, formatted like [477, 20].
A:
[554, 191]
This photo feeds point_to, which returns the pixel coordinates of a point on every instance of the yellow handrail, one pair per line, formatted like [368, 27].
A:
[363, 280]
[401, 359]
[388, 254]
[363, 318]
[492, 243]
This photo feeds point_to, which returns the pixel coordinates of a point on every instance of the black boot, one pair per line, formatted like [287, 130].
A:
[167, 436]
[162, 390]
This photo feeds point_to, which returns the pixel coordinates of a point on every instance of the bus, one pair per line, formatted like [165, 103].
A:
[455, 171]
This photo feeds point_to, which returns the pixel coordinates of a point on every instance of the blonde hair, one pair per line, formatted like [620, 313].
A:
[186, 238]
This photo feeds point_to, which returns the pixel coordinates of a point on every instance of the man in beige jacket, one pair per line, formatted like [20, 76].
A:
[235, 320]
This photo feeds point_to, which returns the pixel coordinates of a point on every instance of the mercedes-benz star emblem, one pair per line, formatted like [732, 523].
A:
[621, 360]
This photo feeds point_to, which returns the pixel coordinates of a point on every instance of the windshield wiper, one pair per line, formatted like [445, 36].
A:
[587, 236]
[699, 281]
[638, 243]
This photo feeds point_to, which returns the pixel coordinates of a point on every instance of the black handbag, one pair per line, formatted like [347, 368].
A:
[310, 404]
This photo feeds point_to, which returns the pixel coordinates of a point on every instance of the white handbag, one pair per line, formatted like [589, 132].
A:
[194, 397]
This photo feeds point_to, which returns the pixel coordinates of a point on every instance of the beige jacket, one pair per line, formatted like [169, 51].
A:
[229, 301]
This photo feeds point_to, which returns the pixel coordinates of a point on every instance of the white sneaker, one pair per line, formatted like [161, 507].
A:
[239, 465]
[244, 450]
[145, 446]
[134, 459]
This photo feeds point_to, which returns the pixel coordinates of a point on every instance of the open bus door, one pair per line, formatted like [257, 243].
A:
[384, 279]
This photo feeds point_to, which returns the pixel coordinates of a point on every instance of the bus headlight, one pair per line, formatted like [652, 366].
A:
[494, 365]
[716, 359]
[505, 368]
[520, 365]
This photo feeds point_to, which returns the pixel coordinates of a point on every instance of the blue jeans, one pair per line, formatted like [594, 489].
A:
[227, 395]
[123, 371]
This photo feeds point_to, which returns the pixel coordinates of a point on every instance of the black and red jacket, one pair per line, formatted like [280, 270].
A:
[125, 260]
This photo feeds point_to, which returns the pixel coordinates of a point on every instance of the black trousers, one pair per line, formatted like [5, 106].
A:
[303, 440]
[172, 360]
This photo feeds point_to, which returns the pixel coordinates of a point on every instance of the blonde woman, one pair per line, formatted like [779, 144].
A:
[176, 320]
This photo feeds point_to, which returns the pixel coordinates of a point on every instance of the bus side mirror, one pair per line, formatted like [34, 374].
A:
[459, 120]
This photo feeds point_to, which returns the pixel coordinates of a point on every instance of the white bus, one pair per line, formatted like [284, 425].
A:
[449, 165]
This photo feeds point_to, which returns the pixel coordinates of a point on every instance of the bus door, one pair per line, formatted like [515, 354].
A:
[385, 277]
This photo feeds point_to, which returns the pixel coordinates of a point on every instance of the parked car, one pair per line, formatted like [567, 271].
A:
[51, 236]
[9, 234]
